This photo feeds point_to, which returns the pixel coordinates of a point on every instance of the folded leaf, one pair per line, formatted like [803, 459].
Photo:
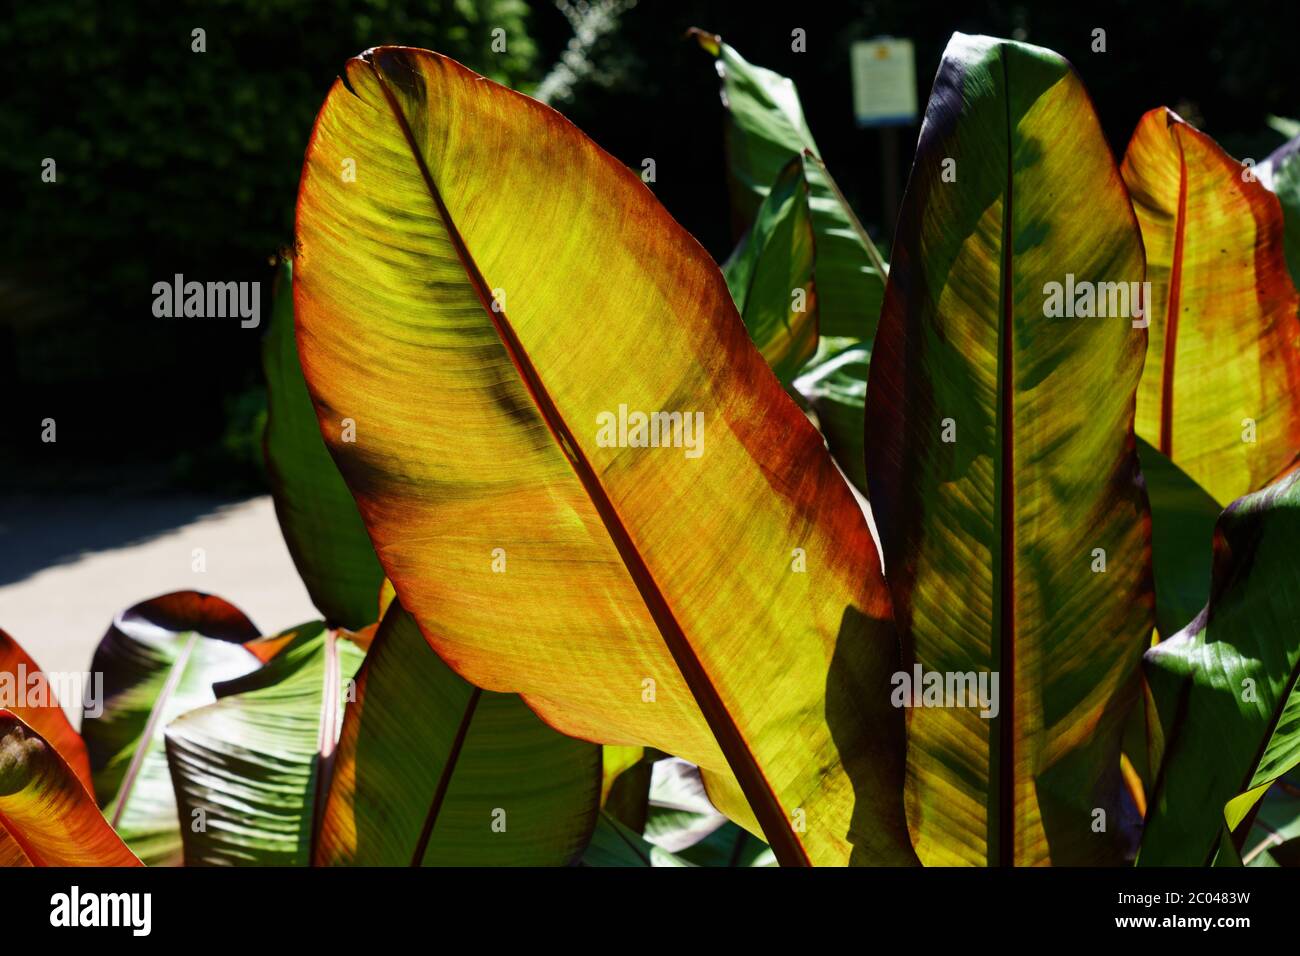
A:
[680, 814]
[317, 515]
[485, 302]
[433, 771]
[47, 816]
[765, 130]
[1227, 684]
[834, 383]
[1002, 467]
[251, 770]
[770, 275]
[1220, 393]
[30, 696]
[159, 659]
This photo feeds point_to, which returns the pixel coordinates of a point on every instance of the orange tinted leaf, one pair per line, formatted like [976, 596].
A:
[1220, 392]
[490, 290]
[47, 813]
[44, 715]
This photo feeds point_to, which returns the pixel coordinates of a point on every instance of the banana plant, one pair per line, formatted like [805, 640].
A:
[1003, 467]
[491, 459]
[594, 591]
[1220, 393]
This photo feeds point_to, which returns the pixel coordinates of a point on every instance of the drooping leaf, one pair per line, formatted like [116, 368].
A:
[47, 816]
[770, 275]
[30, 696]
[1002, 465]
[159, 659]
[1182, 539]
[1220, 393]
[318, 517]
[1226, 685]
[433, 771]
[765, 130]
[491, 296]
[251, 770]
[834, 383]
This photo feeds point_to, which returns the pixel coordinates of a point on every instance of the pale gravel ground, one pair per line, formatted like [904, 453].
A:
[68, 564]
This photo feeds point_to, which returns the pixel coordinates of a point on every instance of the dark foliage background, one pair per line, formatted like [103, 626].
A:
[173, 161]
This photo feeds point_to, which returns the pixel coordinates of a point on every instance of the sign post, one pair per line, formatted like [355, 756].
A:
[884, 96]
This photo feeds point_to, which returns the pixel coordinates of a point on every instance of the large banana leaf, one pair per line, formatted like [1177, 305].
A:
[47, 816]
[1002, 464]
[765, 129]
[433, 771]
[770, 275]
[1227, 684]
[491, 289]
[317, 515]
[39, 709]
[1220, 393]
[159, 659]
[251, 770]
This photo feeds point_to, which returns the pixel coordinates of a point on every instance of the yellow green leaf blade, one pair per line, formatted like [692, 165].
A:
[47, 814]
[1003, 474]
[317, 515]
[433, 771]
[487, 299]
[1220, 393]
